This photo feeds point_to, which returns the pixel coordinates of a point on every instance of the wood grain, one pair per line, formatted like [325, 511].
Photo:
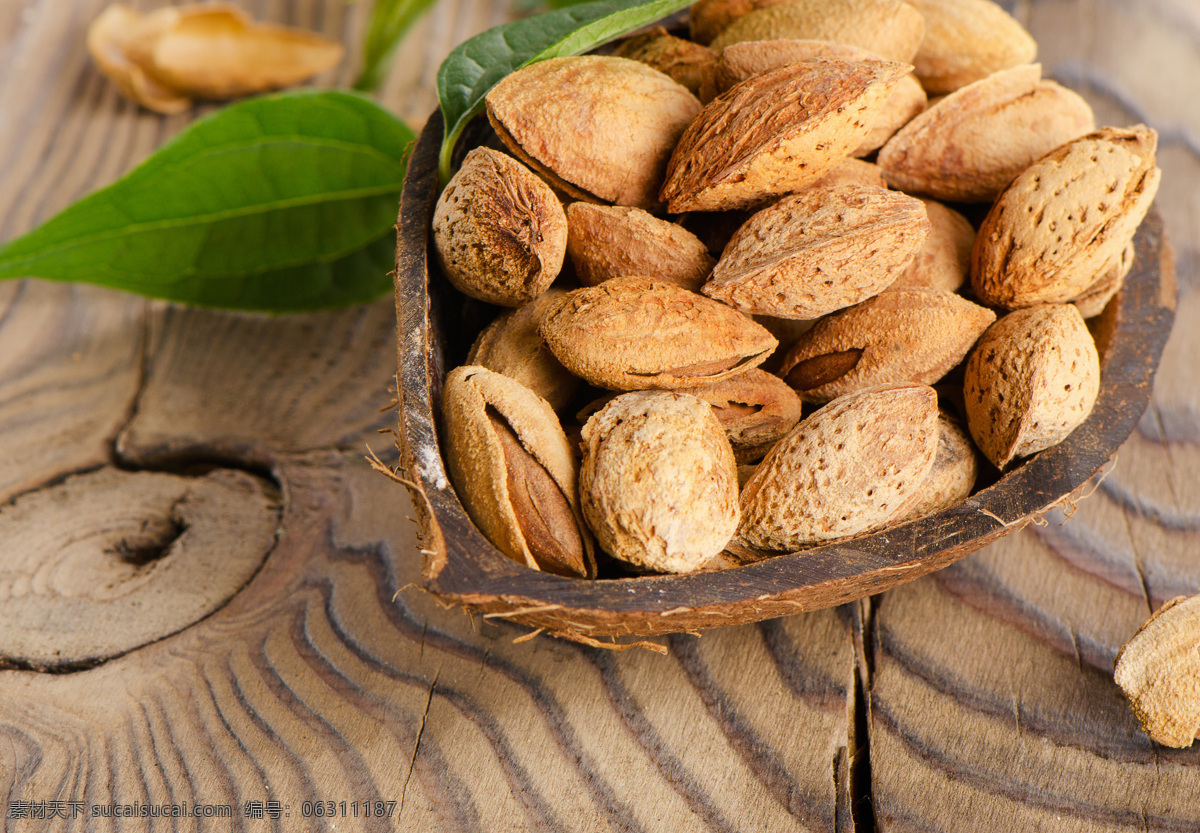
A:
[327, 676]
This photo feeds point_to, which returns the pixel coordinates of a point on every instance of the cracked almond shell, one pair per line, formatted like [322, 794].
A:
[512, 467]
[637, 333]
[608, 241]
[756, 409]
[888, 28]
[512, 347]
[819, 251]
[500, 233]
[108, 40]
[1031, 380]
[599, 128]
[966, 40]
[902, 335]
[1064, 221]
[215, 50]
[658, 481]
[776, 133]
[1158, 670]
[851, 467]
[971, 144]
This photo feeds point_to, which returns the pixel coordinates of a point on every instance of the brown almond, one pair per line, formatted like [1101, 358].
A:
[1066, 220]
[904, 335]
[971, 144]
[500, 233]
[691, 64]
[967, 40]
[745, 60]
[637, 333]
[1031, 380]
[512, 347]
[610, 241]
[945, 258]
[819, 251]
[1157, 671]
[511, 465]
[776, 133]
[952, 477]
[851, 467]
[561, 115]
[756, 409]
[888, 28]
[658, 481]
[852, 172]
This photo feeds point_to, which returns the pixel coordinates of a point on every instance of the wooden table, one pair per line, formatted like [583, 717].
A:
[191, 539]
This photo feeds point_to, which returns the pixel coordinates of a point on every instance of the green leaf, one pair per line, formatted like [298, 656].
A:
[389, 23]
[279, 203]
[478, 64]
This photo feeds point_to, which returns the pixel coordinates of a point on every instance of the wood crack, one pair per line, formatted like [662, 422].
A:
[412, 762]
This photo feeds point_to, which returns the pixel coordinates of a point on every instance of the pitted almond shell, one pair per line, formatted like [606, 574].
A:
[888, 28]
[215, 50]
[818, 251]
[561, 116]
[689, 63]
[608, 241]
[971, 144]
[1157, 670]
[510, 463]
[1031, 380]
[1092, 301]
[638, 333]
[903, 335]
[776, 133]
[955, 469]
[851, 467]
[967, 40]
[500, 233]
[745, 60]
[512, 347]
[658, 481]
[852, 172]
[945, 258]
[1066, 219]
[756, 409]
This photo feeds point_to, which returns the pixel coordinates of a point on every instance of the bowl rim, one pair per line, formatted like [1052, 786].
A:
[462, 566]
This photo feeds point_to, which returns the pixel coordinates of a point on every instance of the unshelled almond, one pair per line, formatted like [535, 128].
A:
[945, 258]
[658, 481]
[967, 40]
[756, 409]
[1031, 380]
[608, 241]
[1157, 671]
[851, 467]
[560, 116]
[636, 333]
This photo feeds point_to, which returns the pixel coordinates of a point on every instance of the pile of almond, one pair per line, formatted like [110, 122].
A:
[753, 221]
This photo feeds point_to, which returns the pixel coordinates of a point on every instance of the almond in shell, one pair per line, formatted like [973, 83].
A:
[945, 259]
[756, 408]
[512, 347]
[500, 232]
[952, 477]
[658, 481]
[903, 335]
[1066, 220]
[967, 40]
[818, 251]
[1031, 380]
[609, 241]
[637, 333]
[888, 28]
[852, 467]
[1092, 301]
[776, 133]
[689, 63]
[971, 144]
[509, 460]
[562, 117]
[1157, 671]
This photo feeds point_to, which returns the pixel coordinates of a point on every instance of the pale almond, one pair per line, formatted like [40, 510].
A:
[755, 408]
[967, 40]
[610, 241]
[945, 259]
